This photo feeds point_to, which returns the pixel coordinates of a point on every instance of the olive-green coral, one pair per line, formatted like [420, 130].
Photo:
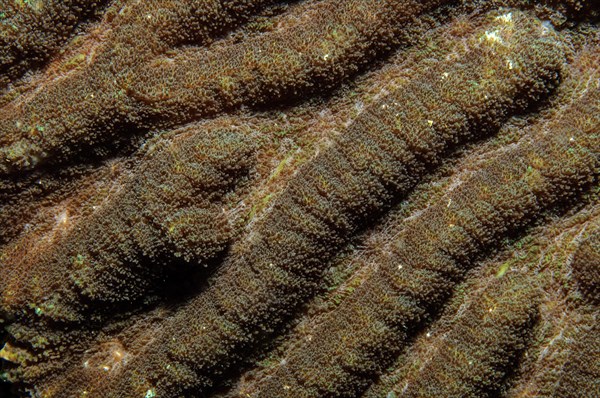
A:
[317, 198]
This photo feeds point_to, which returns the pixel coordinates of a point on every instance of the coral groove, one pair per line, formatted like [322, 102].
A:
[312, 198]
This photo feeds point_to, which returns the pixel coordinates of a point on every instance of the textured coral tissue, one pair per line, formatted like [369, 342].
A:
[301, 198]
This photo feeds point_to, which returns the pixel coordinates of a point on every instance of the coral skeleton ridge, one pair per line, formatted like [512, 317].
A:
[315, 198]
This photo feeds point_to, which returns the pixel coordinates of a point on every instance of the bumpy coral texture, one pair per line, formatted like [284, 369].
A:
[317, 198]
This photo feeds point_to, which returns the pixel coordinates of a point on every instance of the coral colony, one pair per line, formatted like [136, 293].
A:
[311, 198]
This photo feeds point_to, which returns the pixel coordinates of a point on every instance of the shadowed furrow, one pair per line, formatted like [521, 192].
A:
[124, 90]
[564, 359]
[369, 198]
[398, 139]
[473, 357]
[581, 370]
[435, 365]
[586, 267]
[90, 103]
[171, 206]
[31, 31]
[358, 340]
[332, 43]
[569, 364]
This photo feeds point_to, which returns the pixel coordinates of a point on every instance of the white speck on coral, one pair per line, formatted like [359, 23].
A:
[151, 393]
[63, 217]
[546, 27]
[506, 18]
[493, 37]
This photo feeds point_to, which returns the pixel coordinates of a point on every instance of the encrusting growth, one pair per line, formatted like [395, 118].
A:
[172, 206]
[123, 91]
[31, 31]
[338, 192]
[581, 370]
[311, 199]
[586, 267]
[417, 273]
[471, 360]
[90, 102]
[446, 357]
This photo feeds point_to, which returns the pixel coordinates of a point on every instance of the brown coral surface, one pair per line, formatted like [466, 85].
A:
[317, 198]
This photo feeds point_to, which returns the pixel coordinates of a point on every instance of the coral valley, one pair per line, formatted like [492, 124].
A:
[317, 198]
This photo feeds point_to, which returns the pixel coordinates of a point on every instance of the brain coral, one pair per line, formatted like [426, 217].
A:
[317, 198]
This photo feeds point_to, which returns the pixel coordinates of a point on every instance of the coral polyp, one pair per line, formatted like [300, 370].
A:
[316, 198]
